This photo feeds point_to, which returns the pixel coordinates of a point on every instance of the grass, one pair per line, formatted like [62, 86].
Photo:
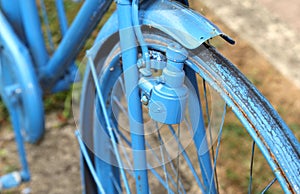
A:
[3, 153]
[235, 154]
[3, 113]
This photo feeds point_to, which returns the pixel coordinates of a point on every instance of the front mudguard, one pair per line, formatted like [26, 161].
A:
[186, 26]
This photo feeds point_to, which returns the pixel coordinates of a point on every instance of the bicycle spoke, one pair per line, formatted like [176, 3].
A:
[160, 179]
[269, 185]
[189, 128]
[121, 81]
[218, 147]
[210, 131]
[177, 159]
[171, 163]
[89, 162]
[46, 22]
[152, 170]
[119, 104]
[161, 143]
[189, 162]
[251, 168]
[109, 128]
[121, 136]
[124, 151]
[116, 184]
[208, 115]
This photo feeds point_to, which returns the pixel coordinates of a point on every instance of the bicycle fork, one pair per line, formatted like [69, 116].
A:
[129, 58]
[166, 98]
[171, 99]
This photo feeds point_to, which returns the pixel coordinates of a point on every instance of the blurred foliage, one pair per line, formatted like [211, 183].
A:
[63, 100]
[3, 113]
[60, 101]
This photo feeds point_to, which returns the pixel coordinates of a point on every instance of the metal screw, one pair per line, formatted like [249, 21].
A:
[145, 100]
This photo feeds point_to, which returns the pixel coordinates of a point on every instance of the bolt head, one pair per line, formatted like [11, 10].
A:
[145, 100]
[176, 53]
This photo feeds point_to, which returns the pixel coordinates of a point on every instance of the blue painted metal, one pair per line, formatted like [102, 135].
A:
[200, 136]
[104, 158]
[86, 157]
[33, 32]
[138, 32]
[87, 18]
[212, 181]
[107, 83]
[10, 180]
[47, 26]
[105, 161]
[106, 80]
[16, 118]
[20, 92]
[168, 95]
[70, 75]
[86, 105]
[268, 186]
[187, 27]
[14, 179]
[14, 52]
[107, 122]
[11, 10]
[204, 68]
[69, 78]
[108, 29]
[129, 59]
[63, 22]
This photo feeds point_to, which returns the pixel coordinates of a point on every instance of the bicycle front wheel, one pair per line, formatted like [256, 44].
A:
[187, 157]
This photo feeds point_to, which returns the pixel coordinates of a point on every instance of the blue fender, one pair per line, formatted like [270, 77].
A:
[186, 26]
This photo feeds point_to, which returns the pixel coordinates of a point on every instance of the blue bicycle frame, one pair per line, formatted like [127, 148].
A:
[51, 69]
[22, 22]
[21, 32]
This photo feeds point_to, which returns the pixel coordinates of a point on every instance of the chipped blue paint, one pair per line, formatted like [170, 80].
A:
[188, 27]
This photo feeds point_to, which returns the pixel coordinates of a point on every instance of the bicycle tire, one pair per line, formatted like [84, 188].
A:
[277, 143]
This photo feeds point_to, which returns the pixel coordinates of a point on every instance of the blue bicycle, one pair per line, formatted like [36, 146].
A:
[155, 95]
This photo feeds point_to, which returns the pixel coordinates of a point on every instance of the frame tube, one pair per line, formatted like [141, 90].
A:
[86, 20]
[129, 57]
[33, 32]
[200, 140]
[61, 16]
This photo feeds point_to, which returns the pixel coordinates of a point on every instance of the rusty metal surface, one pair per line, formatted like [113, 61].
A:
[271, 134]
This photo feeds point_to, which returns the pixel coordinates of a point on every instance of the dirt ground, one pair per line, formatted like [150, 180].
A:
[54, 162]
